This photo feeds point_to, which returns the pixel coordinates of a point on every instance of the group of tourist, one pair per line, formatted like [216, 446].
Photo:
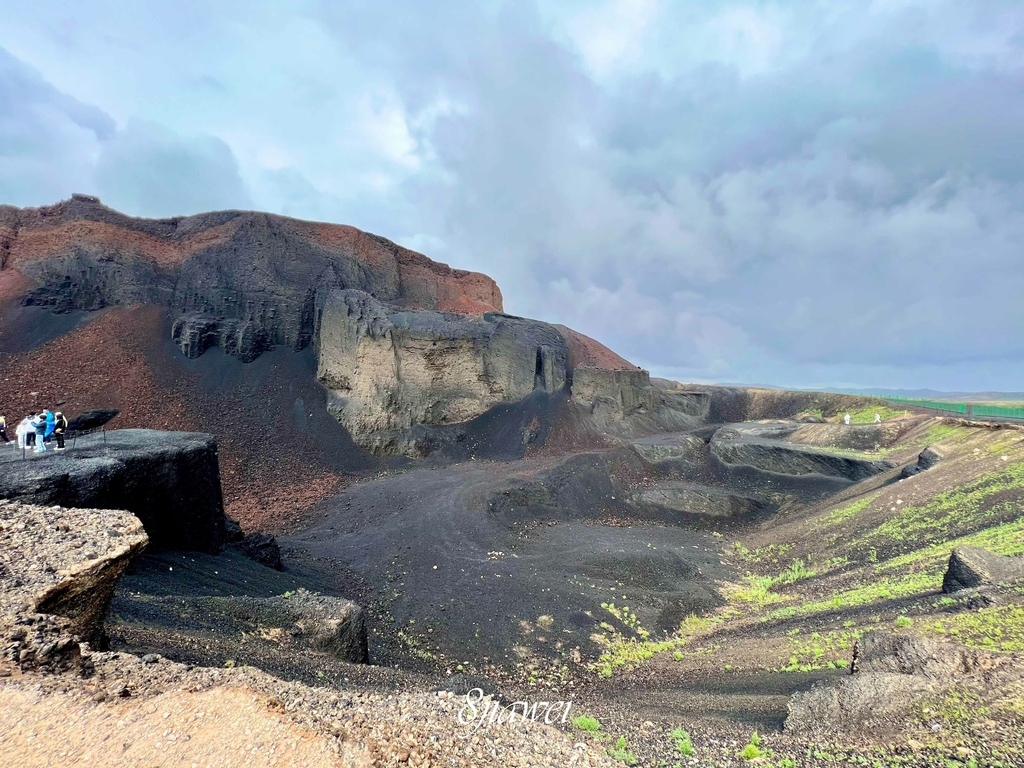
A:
[36, 430]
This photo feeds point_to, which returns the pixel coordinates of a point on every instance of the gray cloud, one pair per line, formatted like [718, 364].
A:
[829, 194]
[151, 171]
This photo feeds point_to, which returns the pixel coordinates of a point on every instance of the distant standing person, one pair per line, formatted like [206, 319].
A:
[846, 419]
[60, 425]
[22, 431]
[878, 419]
[50, 422]
[3, 430]
[39, 425]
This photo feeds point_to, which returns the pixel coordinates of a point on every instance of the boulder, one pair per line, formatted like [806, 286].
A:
[263, 548]
[930, 658]
[169, 480]
[971, 567]
[927, 459]
[65, 563]
[891, 675]
[84, 422]
[330, 625]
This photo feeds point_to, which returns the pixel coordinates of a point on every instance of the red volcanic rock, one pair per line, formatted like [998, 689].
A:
[84, 225]
[248, 281]
[584, 352]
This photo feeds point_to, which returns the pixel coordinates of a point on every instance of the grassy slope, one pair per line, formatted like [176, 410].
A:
[873, 558]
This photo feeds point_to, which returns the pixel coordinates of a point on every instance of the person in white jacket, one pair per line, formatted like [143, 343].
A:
[22, 431]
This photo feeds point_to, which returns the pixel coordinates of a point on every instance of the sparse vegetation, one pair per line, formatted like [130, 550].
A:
[587, 723]
[999, 628]
[842, 514]
[681, 740]
[621, 752]
[752, 751]
[821, 651]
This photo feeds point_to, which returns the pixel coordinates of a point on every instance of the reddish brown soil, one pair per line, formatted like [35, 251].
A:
[48, 240]
[101, 365]
[585, 352]
[109, 363]
[12, 284]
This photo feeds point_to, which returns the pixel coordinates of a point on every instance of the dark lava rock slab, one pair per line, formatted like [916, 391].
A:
[169, 480]
[262, 548]
[927, 459]
[971, 567]
[689, 503]
[734, 447]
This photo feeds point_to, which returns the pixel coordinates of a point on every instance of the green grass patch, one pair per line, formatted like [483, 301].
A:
[951, 512]
[621, 752]
[1003, 539]
[681, 741]
[999, 628]
[752, 751]
[587, 723]
[877, 591]
[842, 514]
[821, 651]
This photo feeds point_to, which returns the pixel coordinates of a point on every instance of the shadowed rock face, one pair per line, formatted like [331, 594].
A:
[170, 480]
[971, 567]
[254, 277]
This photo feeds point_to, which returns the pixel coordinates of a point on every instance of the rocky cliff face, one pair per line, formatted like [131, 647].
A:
[170, 480]
[248, 280]
[390, 370]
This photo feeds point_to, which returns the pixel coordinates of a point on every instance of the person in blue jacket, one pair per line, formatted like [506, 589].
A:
[51, 422]
[39, 425]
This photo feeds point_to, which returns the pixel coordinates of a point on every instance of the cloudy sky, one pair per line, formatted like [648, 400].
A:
[802, 193]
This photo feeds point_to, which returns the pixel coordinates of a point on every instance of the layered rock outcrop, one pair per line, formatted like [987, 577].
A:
[390, 370]
[62, 562]
[255, 276]
[169, 480]
[973, 567]
[891, 674]
[742, 445]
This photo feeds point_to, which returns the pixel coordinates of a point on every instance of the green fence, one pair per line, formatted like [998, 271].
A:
[935, 405]
[997, 412]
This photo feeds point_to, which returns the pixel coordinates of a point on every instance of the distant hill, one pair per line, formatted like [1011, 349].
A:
[934, 394]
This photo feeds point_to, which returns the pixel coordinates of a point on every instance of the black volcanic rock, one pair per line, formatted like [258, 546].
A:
[90, 420]
[169, 480]
[738, 446]
[971, 567]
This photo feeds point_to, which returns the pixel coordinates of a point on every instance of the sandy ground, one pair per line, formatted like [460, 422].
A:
[212, 729]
